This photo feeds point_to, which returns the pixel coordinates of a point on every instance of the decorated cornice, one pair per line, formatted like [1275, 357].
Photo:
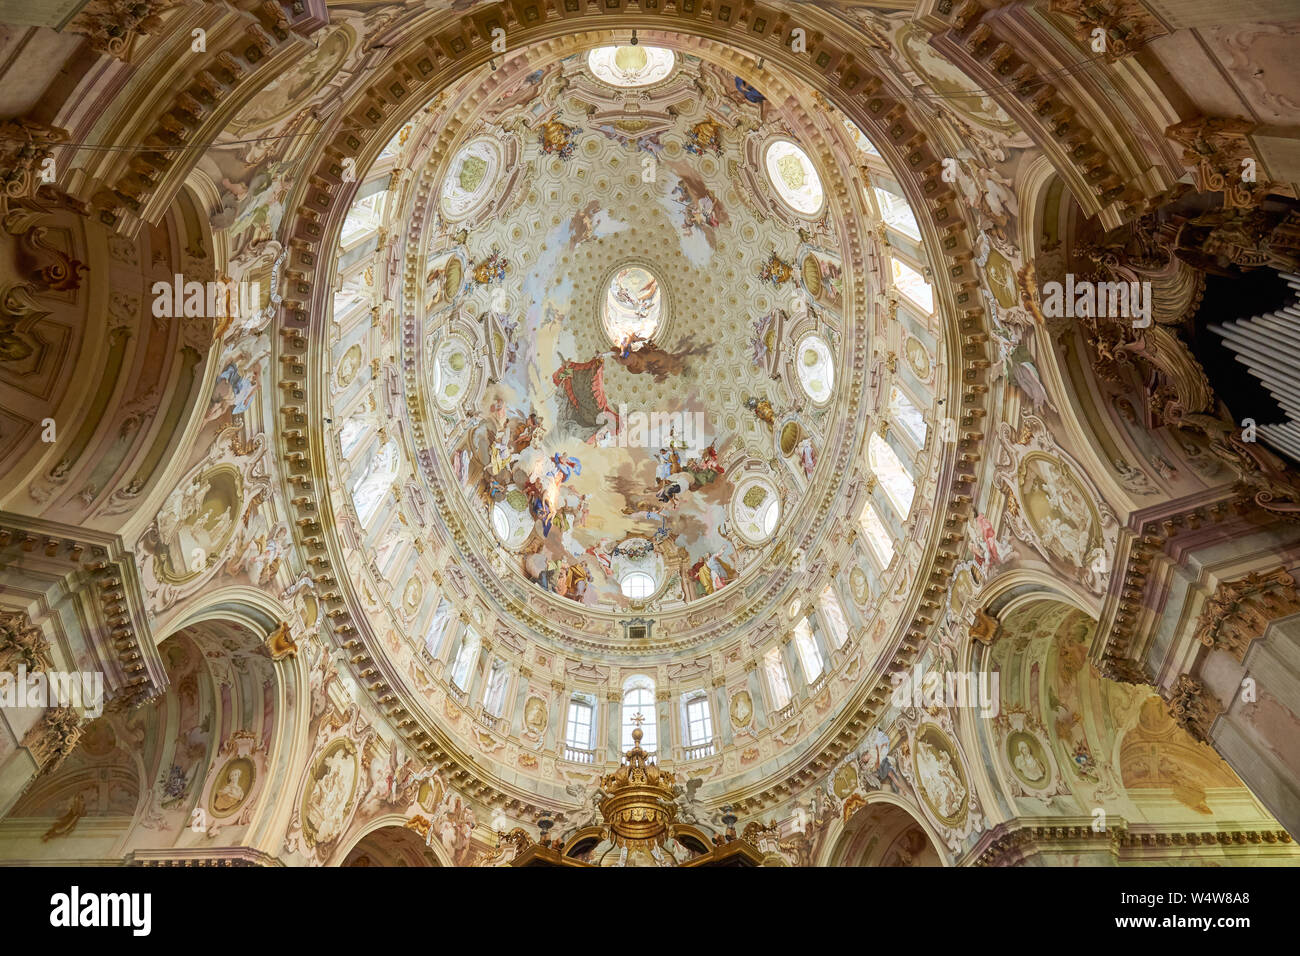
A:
[1018, 841]
[584, 628]
[1193, 707]
[1145, 557]
[241, 49]
[120, 637]
[1056, 103]
[219, 856]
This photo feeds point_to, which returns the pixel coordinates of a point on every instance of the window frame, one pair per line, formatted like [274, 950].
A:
[580, 702]
[690, 700]
[639, 684]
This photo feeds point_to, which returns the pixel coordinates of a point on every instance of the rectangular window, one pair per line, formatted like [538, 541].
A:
[836, 623]
[699, 722]
[913, 285]
[777, 681]
[460, 668]
[494, 697]
[897, 213]
[878, 536]
[810, 656]
[907, 415]
[892, 474]
[578, 731]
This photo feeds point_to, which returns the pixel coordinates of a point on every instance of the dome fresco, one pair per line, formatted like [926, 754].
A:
[649, 437]
[620, 311]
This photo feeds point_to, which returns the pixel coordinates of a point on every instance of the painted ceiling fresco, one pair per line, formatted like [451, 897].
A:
[608, 385]
[621, 295]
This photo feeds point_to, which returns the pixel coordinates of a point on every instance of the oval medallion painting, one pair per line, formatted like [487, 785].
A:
[330, 792]
[742, 710]
[233, 785]
[1025, 754]
[816, 368]
[939, 775]
[631, 307]
[1058, 509]
[470, 178]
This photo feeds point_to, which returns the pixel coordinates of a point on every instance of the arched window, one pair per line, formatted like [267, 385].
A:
[638, 585]
[778, 684]
[810, 655]
[465, 656]
[494, 696]
[893, 477]
[579, 731]
[639, 698]
[833, 611]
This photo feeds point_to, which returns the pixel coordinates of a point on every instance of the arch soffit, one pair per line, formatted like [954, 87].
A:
[841, 833]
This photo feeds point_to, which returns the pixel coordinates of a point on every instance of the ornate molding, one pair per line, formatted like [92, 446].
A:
[1193, 707]
[109, 576]
[1216, 148]
[1240, 611]
[416, 69]
[1125, 24]
[220, 856]
[1057, 112]
[112, 26]
[53, 737]
[22, 644]
[25, 146]
[1011, 843]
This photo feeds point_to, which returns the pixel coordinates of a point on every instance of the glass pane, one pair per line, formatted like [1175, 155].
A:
[907, 415]
[809, 656]
[893, 477]
[835, 619]
[878, 536]
[913, 285]
[776, 679]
